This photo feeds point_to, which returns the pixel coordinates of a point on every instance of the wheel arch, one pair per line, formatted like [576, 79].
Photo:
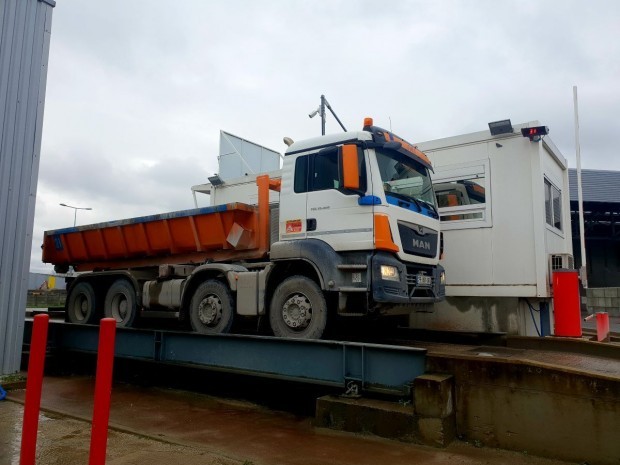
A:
[315, 252]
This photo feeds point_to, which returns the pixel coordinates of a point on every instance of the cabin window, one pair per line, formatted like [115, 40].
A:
[324, 171]
[553, 205]
[463, 194]
[301, 174]
[321, 171]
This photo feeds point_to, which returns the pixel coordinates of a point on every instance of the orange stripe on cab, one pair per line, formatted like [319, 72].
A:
[383, 234]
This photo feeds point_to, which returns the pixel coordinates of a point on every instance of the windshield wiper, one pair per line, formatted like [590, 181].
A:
[418, 202]
[406, 198]
[428, 204]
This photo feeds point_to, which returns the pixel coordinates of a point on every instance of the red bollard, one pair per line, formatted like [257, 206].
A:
[103, 392]
[566, 303]
[34, 383]
[602, 326]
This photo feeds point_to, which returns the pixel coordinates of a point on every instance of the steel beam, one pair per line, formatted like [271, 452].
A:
[370, 367]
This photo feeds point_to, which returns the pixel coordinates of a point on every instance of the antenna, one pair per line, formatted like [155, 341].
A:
[321, 111]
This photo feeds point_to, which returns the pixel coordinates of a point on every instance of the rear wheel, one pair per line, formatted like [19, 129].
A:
[120, 303]
[211, 309]
[298, 309]
[82, 304]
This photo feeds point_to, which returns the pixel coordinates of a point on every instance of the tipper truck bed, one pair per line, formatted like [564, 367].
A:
[187, 236]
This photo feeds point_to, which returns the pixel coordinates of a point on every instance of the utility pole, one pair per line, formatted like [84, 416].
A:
[321, 111]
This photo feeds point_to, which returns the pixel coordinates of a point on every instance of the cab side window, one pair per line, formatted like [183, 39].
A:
[301, 174]
[324, 173]
[321, 171]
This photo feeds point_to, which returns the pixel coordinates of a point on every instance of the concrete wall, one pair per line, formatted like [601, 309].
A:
[535, 408]
[604, 299]
[25, 27]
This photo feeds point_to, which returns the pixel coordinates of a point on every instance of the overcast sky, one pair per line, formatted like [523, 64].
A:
[138, 90]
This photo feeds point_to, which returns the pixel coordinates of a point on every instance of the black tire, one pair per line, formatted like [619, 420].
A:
[211, 310]
[82, 304]
[298, 309]
[120, 303]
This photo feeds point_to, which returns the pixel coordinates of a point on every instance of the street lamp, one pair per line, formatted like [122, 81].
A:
[75, 209]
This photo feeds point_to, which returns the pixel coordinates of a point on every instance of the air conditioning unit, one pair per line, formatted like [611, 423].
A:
[560, 261]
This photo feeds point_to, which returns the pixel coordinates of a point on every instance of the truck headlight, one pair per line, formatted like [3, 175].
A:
[442, 278]
[390, 273]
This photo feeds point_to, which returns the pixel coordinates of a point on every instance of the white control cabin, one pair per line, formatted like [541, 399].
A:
[504, 206]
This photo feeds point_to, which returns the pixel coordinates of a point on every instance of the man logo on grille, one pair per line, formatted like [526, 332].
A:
[422, 244]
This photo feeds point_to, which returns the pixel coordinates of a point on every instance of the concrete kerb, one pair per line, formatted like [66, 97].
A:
[429, 418]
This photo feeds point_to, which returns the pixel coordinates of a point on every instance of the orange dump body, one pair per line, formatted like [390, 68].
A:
[218, 233]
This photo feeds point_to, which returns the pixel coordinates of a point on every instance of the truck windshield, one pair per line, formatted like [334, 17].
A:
[406, 182]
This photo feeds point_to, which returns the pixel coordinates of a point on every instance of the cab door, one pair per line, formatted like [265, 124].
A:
[333, 214]
[293, 198]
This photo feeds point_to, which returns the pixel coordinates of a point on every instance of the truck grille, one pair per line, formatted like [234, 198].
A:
[418, 240]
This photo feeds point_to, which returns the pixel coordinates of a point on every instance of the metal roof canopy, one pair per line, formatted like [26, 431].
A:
[598, 185]
[25, 27]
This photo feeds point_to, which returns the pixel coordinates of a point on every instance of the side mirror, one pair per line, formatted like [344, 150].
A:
[350, 167]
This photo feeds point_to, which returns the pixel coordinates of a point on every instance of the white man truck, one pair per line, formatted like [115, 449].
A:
[355, 232]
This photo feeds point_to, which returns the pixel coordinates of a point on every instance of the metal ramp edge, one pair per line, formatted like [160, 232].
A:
[368, 367]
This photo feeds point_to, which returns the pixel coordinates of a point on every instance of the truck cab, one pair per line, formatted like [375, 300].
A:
[360, 207]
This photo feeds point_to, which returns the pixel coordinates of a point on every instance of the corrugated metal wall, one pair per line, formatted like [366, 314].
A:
[25, 27]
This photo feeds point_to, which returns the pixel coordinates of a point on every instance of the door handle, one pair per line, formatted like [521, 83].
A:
[311, 224]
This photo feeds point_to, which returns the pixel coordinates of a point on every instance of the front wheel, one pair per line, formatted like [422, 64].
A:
[298, 309]
[211, 309]
[120, 303]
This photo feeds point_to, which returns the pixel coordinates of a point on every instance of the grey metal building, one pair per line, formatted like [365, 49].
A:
[25, 27]
[601, 205]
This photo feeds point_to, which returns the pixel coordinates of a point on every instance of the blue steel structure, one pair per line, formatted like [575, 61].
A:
[372, 367]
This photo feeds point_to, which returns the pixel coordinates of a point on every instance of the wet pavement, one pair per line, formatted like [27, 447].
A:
[160, 426]
[65, 441]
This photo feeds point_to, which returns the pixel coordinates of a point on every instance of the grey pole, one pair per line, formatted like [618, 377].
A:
[75, 209]
[583, 273]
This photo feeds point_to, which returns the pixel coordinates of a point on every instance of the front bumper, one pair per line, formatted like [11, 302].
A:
[407, 290]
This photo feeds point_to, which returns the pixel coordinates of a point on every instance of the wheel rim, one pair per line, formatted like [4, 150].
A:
[297, 312]
[210, 310]
[119, 307]
[81, 307]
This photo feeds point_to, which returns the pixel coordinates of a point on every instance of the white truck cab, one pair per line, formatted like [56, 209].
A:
[360, 207]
